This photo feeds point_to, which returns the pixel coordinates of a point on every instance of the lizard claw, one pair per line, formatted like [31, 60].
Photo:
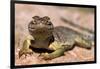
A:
[20, 53]
[25, 52]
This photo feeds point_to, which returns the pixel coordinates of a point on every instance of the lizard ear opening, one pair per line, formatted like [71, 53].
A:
[36, 17]
[46, 18]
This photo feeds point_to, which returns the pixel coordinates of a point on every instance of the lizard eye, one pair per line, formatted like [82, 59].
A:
[36, 17]
[46, 18]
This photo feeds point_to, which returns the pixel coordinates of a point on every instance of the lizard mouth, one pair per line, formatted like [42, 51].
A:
[40, 31]
[37, 29]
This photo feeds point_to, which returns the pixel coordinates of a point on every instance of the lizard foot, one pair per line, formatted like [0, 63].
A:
[45, 56]
[25, 52]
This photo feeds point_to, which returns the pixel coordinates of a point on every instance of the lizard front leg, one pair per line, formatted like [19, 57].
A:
[25, 49]
[59, 49]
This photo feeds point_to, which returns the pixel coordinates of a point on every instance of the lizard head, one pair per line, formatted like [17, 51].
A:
[40, 27]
